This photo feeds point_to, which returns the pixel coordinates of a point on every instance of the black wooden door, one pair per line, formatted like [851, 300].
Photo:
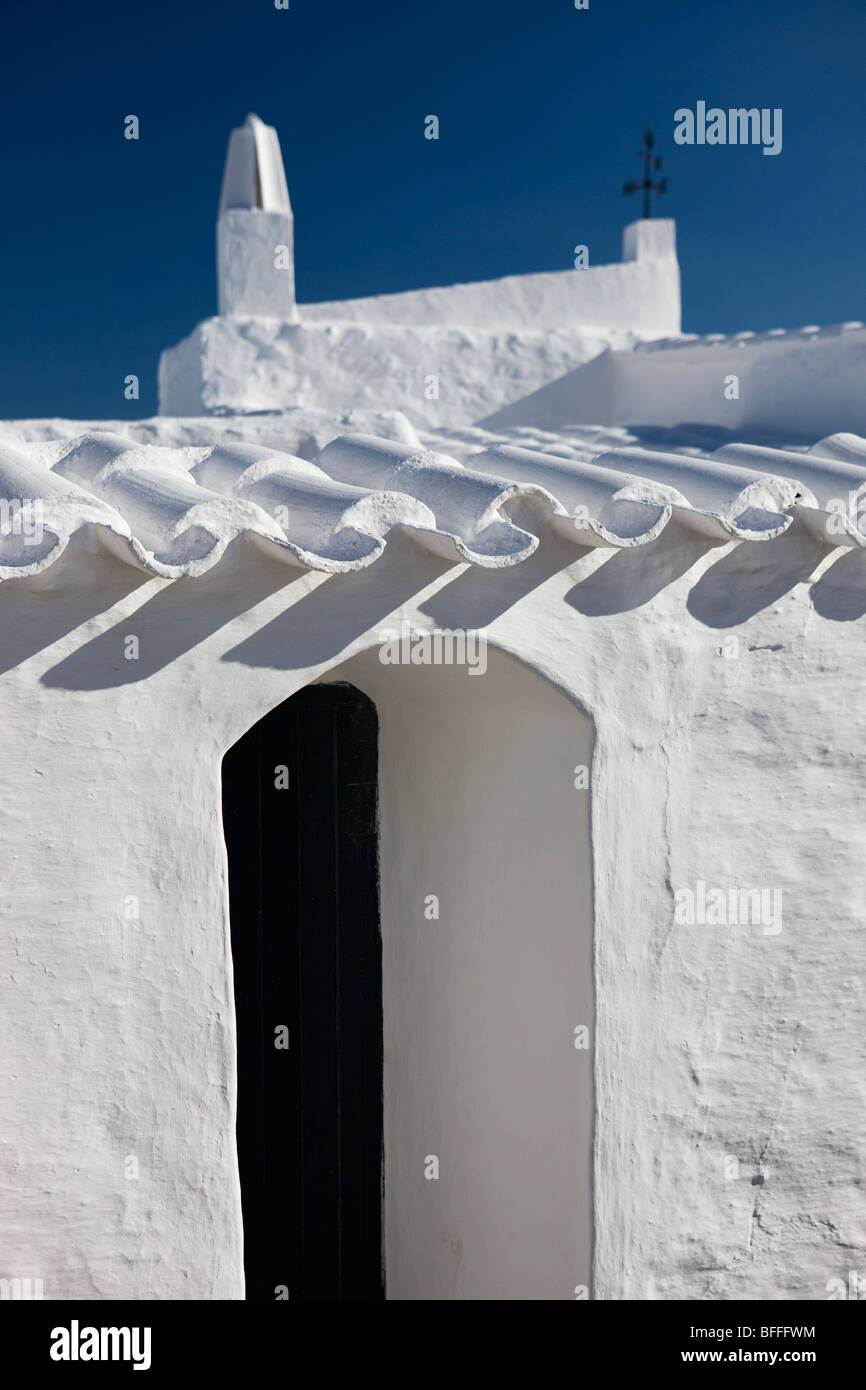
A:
[299, 811]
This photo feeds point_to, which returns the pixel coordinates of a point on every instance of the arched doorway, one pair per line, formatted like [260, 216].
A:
[489, 1010]
[300, 821]
[472, 794]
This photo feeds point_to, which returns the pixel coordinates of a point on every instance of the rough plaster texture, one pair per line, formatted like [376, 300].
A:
[697, 648]
[235, 365]
[256, 266]
[255, 230]
[444, 356]
[737, 765]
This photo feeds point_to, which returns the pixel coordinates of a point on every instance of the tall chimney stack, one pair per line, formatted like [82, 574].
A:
[255, 230]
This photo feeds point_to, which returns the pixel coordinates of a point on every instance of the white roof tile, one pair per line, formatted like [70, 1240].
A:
[175, 510]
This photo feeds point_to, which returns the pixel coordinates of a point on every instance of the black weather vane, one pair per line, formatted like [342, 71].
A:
[652, 163]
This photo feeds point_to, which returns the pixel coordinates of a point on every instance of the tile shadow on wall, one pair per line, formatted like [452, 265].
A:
[630, 578]
[840, 593]
[753, 576]
[180, 616]
[321, 624]
[476, 597]
[81, 584]
[332, 616]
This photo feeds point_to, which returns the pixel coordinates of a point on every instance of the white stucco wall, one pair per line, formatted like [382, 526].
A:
[795, 382]
[437, 376]
[255, 263]
[804, 383]
[446, 356]
[739, 766]
[640, 295]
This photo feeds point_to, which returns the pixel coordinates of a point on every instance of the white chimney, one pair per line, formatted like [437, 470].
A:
[255, 230]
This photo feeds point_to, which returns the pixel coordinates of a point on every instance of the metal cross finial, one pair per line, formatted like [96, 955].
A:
[652, 163]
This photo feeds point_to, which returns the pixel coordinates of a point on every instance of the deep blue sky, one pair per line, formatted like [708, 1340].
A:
[108, 245]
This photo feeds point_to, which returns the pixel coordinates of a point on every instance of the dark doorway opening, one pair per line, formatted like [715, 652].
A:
[300, 820]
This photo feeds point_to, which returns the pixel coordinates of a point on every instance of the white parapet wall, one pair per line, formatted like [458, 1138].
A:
[640, 295]
[437, 377]
[446, 357]
[804, 383]
[798, 381]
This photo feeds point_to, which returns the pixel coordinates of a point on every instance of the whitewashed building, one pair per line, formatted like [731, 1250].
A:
[433, 865]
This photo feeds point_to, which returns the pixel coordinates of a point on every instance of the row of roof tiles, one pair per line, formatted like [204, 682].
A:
[173, 511]
[748, 338]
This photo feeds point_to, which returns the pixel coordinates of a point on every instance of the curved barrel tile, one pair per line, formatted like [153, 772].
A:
[583, 498]
[724, 502]
[330, 526]
[466, 506]
[829, 491]
[39, 512]
[174, 511]
[844, 448]
[177, 528]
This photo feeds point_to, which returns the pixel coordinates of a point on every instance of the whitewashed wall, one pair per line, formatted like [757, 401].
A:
[640, 295]
[804, 383]
[738, 765]
[438, 377]
[445, 356]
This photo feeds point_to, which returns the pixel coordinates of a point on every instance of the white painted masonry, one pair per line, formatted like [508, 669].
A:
[255, 229]
[600, 345]
[641, 295]
[700, 680]
[444, 356]
[804, 383]
[669, 720]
